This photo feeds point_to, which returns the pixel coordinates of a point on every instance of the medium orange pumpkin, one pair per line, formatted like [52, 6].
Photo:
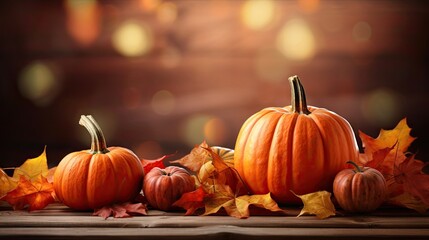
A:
[97, 177]
[360, 189]
[293, 148]
[162, 187]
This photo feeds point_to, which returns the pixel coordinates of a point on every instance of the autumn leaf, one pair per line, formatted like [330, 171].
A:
[7, 183]
[195, 159]
[415, 182]
[192, 201]
[33, 168]
[317, 203]
[121, 210]
[149, 164]
[377, 159]
[409, 201]
[398, 139]
[36, 194]
[225, 174]
[235, 206]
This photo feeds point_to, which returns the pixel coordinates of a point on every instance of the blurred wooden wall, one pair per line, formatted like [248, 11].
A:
[192, 70]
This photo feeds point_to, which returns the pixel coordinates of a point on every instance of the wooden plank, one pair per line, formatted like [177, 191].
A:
[211, 232]
[204, 221]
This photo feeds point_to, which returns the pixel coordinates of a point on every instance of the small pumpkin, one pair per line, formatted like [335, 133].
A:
[101, 176]
[162, 187]
[360, 189]
[297, 147]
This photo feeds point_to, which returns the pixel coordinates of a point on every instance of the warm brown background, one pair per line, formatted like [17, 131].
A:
[369, 64]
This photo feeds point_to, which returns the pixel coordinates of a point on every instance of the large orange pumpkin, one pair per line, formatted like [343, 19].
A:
[296, 148]
[97, 177]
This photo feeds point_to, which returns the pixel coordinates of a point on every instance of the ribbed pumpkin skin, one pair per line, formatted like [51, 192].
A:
[279, 150]
[360, 191]
[84, 180]
[162, 187]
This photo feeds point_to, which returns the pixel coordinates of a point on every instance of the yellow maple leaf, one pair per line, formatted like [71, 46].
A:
[235, 206]
[33, 167]
[7, 183]
[317, 203]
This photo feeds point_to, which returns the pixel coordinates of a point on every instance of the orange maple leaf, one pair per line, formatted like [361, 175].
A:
[36, 194]
[387, 149]
[121, 210]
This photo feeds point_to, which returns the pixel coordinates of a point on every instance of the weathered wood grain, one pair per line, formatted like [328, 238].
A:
[211, 232]
[60, 222]
[199, 221]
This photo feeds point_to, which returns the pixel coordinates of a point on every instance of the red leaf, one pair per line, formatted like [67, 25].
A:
[192, 201]
[121, 210]
[149, 164]
[415, 182]
[35, 194]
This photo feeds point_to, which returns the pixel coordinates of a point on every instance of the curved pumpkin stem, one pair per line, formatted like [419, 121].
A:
[358, 169]
[298, 99]
[98, 142]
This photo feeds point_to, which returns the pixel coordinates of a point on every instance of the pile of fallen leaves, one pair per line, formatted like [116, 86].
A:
[408, 185]
[220, 187]
[30, 186]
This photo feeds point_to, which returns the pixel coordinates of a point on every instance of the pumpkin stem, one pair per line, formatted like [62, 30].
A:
[358, 169]
[98, 142]
[298, 100]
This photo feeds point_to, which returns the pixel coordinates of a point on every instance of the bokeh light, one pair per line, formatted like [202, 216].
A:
[167, 12]
[296, 40]
[271, 65]
[309, 6]
[149, 5]
[148, 150]
[215, 131]
[132, 39]
[381, 107]
[201, 127]
[163, 102]
[193, 129]
[83, 20]
[257, 14]
[39, 83]
[362, 32]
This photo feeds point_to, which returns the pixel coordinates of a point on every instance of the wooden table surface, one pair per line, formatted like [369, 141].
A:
[59, 222]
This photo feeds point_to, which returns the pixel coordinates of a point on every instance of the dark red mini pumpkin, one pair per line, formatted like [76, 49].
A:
[360, 189]
[162, 187]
